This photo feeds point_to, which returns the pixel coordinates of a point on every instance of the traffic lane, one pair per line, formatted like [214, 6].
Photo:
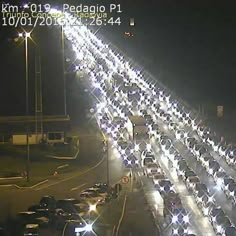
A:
[228, 169]
[219, 195]
[10, 204]
[199, 224]
[15, 200]
[137, 221]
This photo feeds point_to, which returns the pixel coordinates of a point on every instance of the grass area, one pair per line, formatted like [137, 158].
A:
[13, 160]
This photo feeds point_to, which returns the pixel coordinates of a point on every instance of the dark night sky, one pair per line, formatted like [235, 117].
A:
[190, 47]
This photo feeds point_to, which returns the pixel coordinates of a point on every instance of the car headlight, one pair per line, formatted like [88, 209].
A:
[162, 188]
[174, 219]
[205, 211]
[219, 228]
[210, 171]
[136, 147]
[175, 231]
[186, 219]
[191, 185]
[210, 199]
[148, 147]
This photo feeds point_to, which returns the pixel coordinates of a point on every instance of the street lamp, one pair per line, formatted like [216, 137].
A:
[26, 35]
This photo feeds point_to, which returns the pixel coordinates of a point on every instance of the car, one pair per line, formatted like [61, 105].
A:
[173, 126]
[226, 182]
[216, 211]
[213, 167]
[200, 187]
[73, 206]
[206, 205]
[180, 134]
[219, 177]
[92, 197]
[206, 160]
[230, 189]
[221, 223]
[190, 142]
[31, 230]
[101, 191]
[146, 153]
[131, 161]
[222, 150]
[180, 217]
[152, 169]
[146, 161]
[48, 202]
[199, 149]
[78, 225]
[231, 160]
[165, 186]
[178, 230]
[230, 231]
[31, 217]
[157, 177]
[188, 173]
[191, 182]
[181, 169]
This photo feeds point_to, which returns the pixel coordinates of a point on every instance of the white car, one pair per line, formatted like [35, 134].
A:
[152, 169]
[92, 197]
[145, 154]
[157, 178]
[191, 182]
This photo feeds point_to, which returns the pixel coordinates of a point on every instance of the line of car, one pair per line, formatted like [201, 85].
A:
[150, 98]
[51, 213]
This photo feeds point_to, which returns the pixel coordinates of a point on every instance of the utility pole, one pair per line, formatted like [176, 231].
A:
[63, 67]
[108, 179]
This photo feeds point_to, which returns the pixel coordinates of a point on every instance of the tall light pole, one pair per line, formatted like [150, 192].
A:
[26, 35]
[108, 177]
[63, 68]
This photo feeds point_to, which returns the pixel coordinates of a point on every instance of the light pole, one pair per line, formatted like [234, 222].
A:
[63, 68]
[26, 35]
[108, 180]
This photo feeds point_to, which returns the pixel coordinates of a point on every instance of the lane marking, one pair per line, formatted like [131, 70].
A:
[73, 176]
[75, 188]
[122, 216]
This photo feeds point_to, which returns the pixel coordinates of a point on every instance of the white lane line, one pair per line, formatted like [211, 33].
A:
[122, 216]
[73, 176]
[75, 188]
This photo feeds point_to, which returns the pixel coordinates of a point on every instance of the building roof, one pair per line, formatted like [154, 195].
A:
[18, 124]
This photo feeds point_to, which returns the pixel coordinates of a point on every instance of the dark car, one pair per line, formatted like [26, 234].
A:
[48, 202]
[72, 206]
[226, 182]
[213, 167]
[216, 212]
[221, 223]
[230, 231]
[180, 217]
[188, 173]
[200, 187]
[165, 186]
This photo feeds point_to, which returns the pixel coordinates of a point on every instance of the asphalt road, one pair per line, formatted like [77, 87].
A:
[13, 200]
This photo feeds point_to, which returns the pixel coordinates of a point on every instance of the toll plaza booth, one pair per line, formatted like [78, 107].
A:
[47, 128]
